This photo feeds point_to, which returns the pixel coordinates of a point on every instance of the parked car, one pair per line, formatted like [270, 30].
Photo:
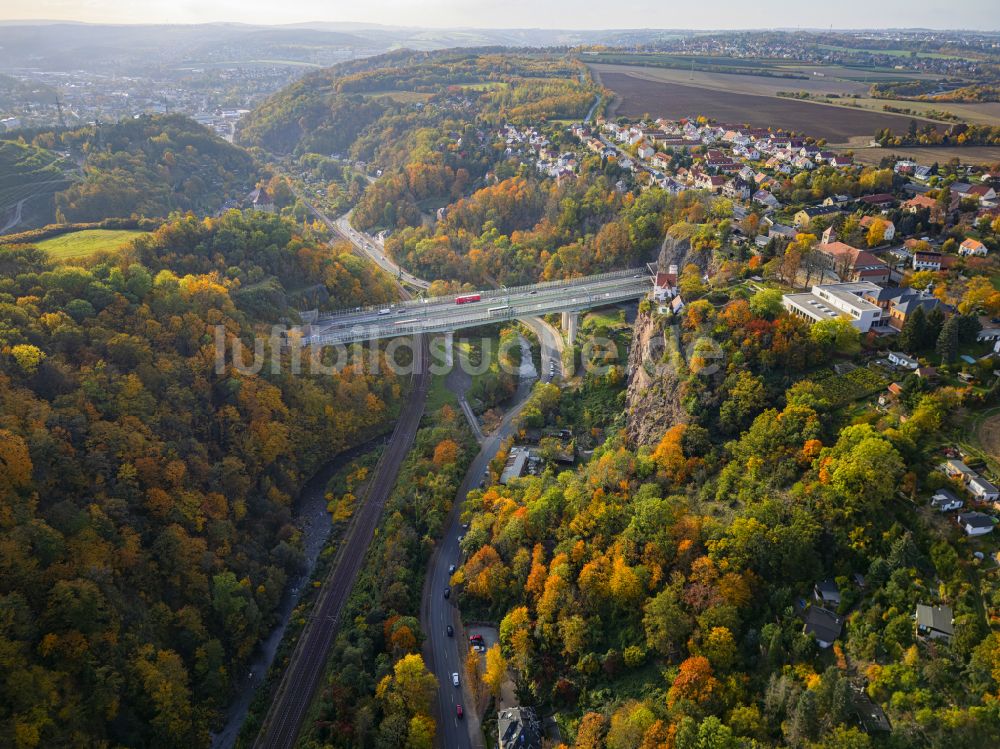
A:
[451, 569]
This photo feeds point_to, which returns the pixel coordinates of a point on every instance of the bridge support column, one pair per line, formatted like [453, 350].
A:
[449, 349]
[570, 323]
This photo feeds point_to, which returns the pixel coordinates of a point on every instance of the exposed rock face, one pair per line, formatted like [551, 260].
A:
[678, 252]
[653, 400]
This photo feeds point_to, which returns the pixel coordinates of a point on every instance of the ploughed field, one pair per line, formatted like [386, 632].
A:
[638, 96]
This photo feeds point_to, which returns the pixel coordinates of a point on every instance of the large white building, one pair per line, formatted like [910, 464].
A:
[830, 301]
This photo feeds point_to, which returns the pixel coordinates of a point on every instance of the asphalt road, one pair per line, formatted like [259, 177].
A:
[439, 315]
[294, 694]
[445, 655]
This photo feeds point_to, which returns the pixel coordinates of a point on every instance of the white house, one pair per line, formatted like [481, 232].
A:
[972, 247]
[645, 151]
[945, 500]
[975, 523]
[983, 490]
[902, 360]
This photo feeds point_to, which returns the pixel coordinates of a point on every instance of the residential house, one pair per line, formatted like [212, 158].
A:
[983, 490]
[945, 500]
[852, 264]
[984, 193]
[766, 199]
[920, 202]
[645, 151]
[935, 622]
[878, 200]
[519, 728]
[261, 200]
[824, 625]
[927, 260]
[804, 216]
[665, 284]
[839, 200]
[661, 160]
[826, 591]
[840, 160]
[899, 303]
[975, 523]
[956, 469]
[899, 359]
[736, 189]
[890, 229]
[972, 247]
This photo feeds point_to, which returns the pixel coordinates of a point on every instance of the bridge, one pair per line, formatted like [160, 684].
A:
[445, 315]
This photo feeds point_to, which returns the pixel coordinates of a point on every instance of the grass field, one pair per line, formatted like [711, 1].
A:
[641, 95]
[403, 97]
[87, 242]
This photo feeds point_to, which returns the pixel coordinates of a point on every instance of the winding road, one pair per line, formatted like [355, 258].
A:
[444, 655]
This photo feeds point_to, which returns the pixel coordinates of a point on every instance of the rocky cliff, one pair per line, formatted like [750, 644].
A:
[653, 400]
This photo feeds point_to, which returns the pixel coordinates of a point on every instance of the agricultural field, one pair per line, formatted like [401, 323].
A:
[929, 155]
[638, 96]
[78, 244]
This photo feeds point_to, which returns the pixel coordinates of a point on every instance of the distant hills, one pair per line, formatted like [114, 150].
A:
[149, 166]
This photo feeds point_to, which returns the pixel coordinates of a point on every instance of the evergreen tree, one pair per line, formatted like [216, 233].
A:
[947, 342]
[913, 336]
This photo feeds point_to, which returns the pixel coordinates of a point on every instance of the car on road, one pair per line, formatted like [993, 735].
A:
[533, 292]
[449, 630]
[451, 569]
[454, 679]
[458, 711]
[447, 592]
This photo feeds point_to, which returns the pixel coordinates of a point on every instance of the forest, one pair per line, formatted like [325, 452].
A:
[149, 166]
[145, 497]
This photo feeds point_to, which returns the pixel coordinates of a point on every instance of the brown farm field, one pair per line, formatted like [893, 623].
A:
[931, 154]
[638, 96]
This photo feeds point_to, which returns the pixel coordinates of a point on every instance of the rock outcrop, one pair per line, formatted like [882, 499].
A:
[653, 399]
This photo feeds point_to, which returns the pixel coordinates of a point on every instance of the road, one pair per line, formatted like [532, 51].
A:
[445, 655]
[375, 251]
[495, 305]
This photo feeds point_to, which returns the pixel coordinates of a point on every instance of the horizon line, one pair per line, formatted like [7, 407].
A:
[376, 24]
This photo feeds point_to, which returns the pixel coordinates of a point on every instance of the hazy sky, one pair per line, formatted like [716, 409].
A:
[591, 14]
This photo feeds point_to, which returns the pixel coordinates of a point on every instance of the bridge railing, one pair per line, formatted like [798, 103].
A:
[468, 319]
[491, 293]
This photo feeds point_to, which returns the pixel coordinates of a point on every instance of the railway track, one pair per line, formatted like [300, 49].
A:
[302, 675]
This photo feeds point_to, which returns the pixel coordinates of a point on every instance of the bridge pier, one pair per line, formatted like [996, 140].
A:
[570, 323]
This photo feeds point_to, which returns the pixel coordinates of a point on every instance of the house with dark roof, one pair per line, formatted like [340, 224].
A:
[805, 215]
[945, 500]
[824, 625]
[983, 490]
[975, 523]
[935, 622]
[826, 591]
[519, 728]
[871, 717]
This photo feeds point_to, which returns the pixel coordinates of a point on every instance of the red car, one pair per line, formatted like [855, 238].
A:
[458, 711]
[475, 638]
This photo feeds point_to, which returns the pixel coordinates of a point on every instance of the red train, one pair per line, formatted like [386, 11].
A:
[466, 298]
